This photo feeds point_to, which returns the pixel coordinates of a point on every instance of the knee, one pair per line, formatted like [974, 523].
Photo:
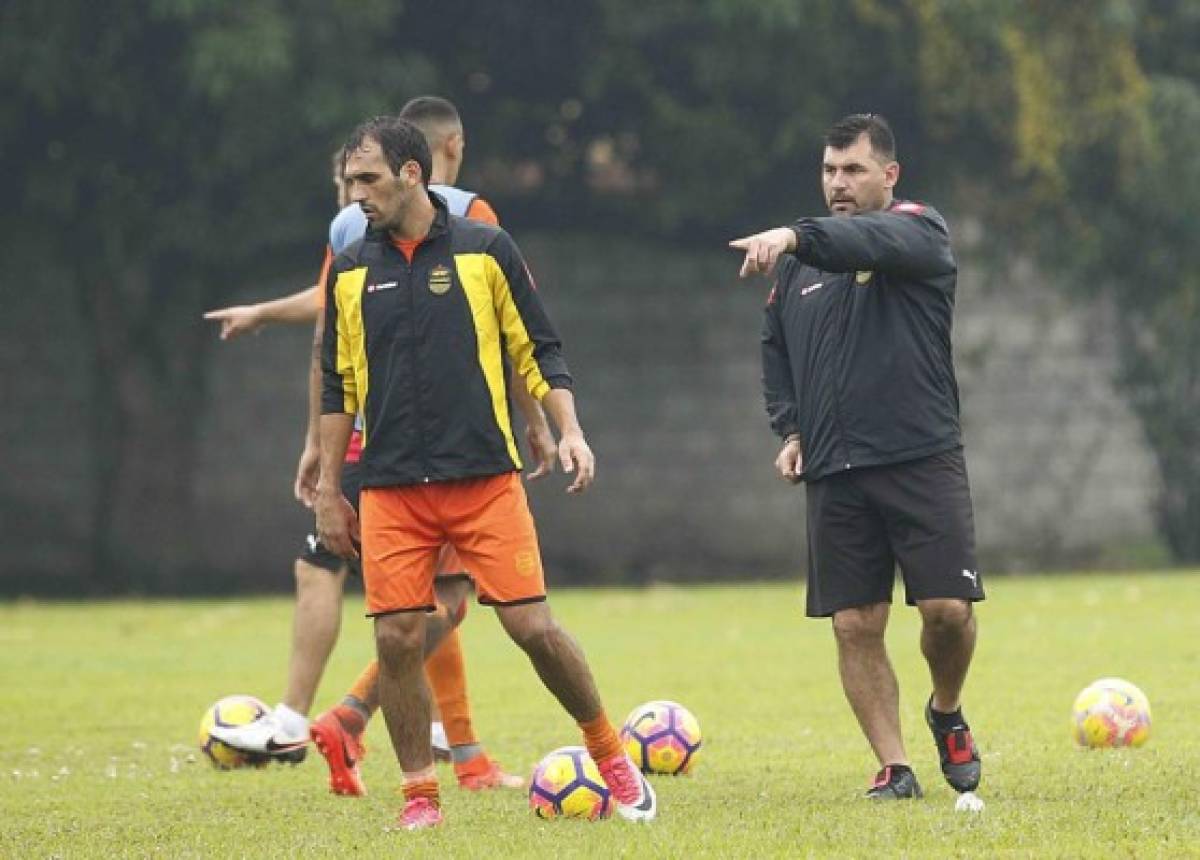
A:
[947, 617]
[859, 626]
[400, 637]
[453, 596]
[536, 635]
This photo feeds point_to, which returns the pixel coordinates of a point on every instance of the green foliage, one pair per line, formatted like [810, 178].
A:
[184, 145]
[102, 704]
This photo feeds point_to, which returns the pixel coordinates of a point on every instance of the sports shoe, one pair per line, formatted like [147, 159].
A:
[632, 792]
[482, 773]
[343, 751]
[956, 749]
[419, 813]
[292, 757]
[264, 735]
[895, 783]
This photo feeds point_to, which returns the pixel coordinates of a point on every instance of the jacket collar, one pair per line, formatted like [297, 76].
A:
[440, 225]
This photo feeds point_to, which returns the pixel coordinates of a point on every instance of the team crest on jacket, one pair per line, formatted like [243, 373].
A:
[439, 280]
[861, 278]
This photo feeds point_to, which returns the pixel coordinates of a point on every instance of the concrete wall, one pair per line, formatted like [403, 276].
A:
[663, 342]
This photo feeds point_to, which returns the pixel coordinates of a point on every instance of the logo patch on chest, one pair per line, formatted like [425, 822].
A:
[439, 280]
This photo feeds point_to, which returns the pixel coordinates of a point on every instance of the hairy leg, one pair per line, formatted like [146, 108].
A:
[948, 642]
[868, 678]
[555, 655]
[315, 626]
[451, 595]
[403, 693]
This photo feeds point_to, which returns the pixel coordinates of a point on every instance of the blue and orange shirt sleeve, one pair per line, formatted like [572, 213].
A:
[481, 210]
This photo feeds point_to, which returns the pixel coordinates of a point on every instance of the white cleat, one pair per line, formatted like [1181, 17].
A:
[264, 735]
[635, 798]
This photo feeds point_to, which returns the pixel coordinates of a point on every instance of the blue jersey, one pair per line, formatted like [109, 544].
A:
[350, 225]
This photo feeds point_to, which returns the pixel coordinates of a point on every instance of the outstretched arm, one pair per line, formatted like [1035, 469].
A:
[299, 307]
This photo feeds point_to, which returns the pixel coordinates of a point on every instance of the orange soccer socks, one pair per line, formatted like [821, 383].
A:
[601, 738]
[448, 680]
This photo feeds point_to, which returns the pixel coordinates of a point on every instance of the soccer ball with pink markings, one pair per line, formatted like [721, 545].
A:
[1111, 713]
[567, 784]
[662, 737]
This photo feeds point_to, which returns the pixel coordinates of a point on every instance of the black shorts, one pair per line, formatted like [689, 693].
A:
[315, 552]
[862, 522]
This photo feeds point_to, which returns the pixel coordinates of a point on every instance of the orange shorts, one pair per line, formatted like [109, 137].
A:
[487, 520]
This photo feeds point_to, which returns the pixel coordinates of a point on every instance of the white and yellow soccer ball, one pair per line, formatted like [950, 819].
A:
[567, 784]
[1111, 713]
[662, 737]
[231, 711]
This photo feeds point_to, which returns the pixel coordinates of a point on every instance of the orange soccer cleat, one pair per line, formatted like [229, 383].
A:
[482, 773]
[343, 750]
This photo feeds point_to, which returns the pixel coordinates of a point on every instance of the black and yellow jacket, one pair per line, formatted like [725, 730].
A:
[420, 350]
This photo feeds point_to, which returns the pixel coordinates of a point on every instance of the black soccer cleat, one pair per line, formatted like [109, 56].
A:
[956, 748]
[895, 782]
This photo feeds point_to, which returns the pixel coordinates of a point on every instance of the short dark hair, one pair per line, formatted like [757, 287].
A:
[848, 129]
[431, 114]
[400, 140]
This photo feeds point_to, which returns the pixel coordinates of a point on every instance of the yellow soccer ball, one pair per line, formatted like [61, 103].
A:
[662, 737]
[231, 711]
[567, 784]
[1111, 713]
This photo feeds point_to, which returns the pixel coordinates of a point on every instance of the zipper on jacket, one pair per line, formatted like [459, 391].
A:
[414, 354]
[836, 381]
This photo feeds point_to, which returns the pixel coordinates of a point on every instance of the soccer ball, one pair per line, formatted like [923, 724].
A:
[231, 711]
[1111, 713]
[567, 784]
[662, 737]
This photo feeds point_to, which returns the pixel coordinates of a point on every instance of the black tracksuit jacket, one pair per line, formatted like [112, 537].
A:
[856, 340]
[422, 350]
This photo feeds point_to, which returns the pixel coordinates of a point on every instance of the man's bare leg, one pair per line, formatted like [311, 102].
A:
[316, 623]
[948, 642]
[869, 680]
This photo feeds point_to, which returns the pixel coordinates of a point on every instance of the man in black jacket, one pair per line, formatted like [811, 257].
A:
[420, 317]
[859, 383]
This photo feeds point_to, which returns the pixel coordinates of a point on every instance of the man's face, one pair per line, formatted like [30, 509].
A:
[384, 196]
[855, 180]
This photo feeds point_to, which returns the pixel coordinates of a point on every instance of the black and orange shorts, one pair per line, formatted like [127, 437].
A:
[486, 520]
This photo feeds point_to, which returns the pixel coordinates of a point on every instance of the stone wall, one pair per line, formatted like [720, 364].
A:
[663, 342]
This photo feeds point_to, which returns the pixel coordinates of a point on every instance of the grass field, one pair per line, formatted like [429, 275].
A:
[100, 704]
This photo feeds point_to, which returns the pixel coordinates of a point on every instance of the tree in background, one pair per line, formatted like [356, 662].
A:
[160, 155]
[157, 156]
[1091, 112]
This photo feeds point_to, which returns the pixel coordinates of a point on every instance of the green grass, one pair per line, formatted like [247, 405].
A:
[99, 704]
